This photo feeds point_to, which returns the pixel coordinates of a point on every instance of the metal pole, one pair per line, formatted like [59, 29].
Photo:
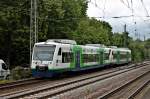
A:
[125, 36]
[35, 20]
[31, 21]
[33, 26]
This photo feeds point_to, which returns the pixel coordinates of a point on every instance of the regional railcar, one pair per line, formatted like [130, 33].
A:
[56, 56]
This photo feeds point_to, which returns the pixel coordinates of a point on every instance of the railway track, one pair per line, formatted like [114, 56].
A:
[58, 88]
[17, 86]
[18, 83]
[102, 89]
[25, 85]
[129, 89]
[142, 92]
[139, 89]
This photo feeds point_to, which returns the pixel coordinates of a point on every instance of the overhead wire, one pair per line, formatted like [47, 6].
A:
[128, 6]
[95, 4]
[104, 9]
[133, 19]
[144, 7]
[146, 11]
[128, 3]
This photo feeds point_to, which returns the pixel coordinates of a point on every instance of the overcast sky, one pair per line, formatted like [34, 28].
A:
[107, 9]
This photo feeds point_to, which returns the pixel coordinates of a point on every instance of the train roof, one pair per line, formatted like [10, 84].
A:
[72, 42]
[96, 45]
[124, 49]
[64, 41]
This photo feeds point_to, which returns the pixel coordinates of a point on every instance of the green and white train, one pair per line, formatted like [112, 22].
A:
[59, 55]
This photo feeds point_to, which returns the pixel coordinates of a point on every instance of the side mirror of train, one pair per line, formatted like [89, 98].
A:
[4, 70]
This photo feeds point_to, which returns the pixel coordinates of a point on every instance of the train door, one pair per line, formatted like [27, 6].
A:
[101, 57]
[127, 57]
[77, 59]
[118, 57]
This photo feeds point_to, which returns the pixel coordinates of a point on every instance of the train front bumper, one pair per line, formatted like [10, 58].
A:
[41, 74]
[47, 73]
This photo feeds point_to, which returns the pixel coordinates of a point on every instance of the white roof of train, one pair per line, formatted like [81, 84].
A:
[72, 42]
[64, 41]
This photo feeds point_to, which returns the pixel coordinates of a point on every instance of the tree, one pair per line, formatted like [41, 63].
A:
[65, 19]
[147, 49]
[118, 39]
[92, 31]
[14, 30]
[57, 18]
[60, 17]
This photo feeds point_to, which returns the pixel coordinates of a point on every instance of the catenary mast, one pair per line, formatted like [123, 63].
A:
[33, 26]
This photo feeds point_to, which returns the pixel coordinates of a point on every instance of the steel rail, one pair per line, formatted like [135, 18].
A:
[105, 96]
[139, 90]
[66, 84]
[26, 89]
[17, 83]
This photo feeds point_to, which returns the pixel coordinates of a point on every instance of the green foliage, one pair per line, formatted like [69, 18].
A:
[5, 81]
[14, 31]
[65, 19]
[147, 49]
[60, 17]
[139, 51]
[92, 31]
[118, 39]
[20, 73]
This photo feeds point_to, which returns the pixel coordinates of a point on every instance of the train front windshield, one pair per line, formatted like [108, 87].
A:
[44, 53]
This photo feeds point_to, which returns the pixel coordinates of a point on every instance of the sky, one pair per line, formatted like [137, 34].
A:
[138, 24]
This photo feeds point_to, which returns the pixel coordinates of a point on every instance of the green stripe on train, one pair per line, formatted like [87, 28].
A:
[127, 56]
[75, 49]
[101, 56]
[118, 57]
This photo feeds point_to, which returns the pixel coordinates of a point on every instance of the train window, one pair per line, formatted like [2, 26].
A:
[67, 57]
[114, 55]
[59, 52]
[90, 58]
[106, 56]
[123, 56]
[44, 53]
[96, 57]
[4, 66]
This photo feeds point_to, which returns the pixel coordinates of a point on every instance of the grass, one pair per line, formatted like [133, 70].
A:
[5, 81]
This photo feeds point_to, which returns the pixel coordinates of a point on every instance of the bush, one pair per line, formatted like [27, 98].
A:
[20, 73]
